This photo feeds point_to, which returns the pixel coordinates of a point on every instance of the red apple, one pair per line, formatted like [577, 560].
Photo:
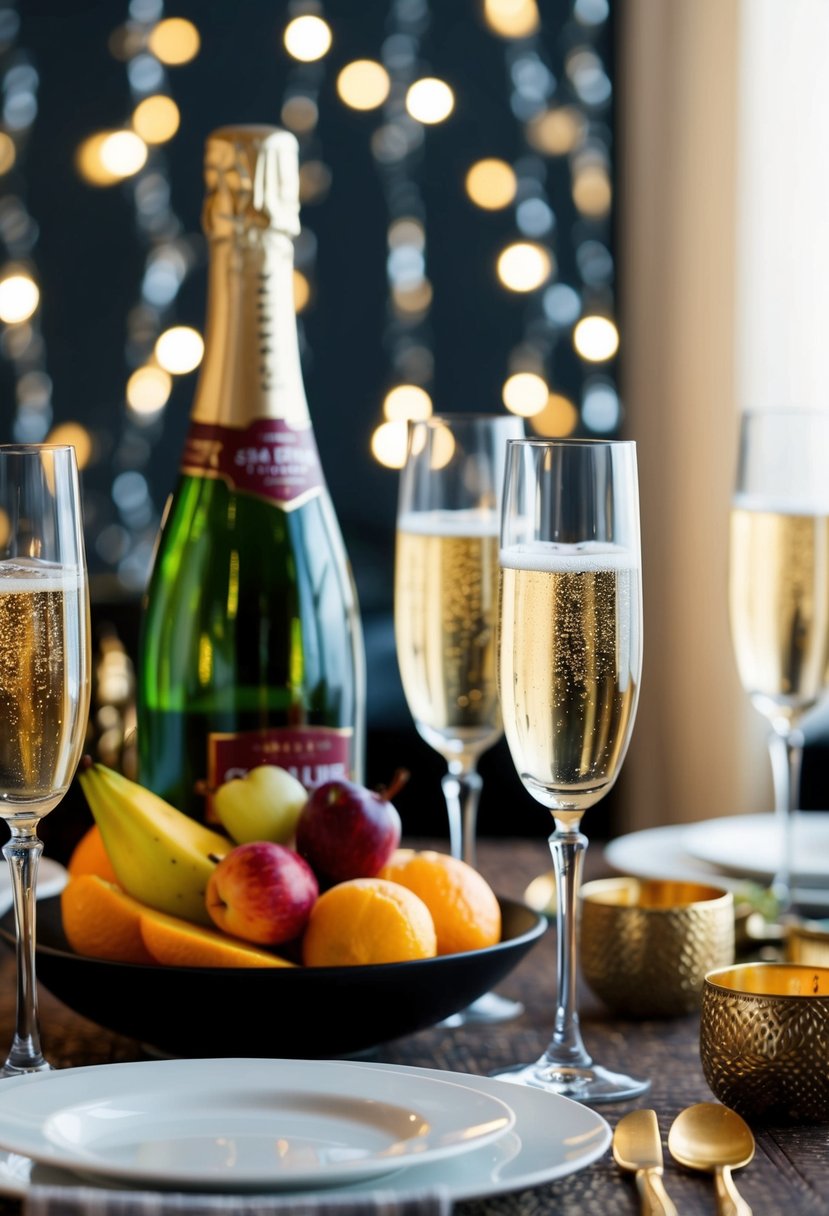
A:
[347, 831]
[262, 892]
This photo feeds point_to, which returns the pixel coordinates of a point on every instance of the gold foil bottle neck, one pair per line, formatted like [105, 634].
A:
[251, 182]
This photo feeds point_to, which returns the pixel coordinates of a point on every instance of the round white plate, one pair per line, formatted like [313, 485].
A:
[241, 1124]
[661, 853]
[750, 845]
[551, 1138]
[51, 879]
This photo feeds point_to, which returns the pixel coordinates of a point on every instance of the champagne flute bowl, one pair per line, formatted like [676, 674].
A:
[569, 668]
[44, 684]
[779, 592]
[445, 597]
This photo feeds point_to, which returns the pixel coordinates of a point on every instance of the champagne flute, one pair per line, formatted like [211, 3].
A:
[445, 597]
[44, 684]
[569, 666]
[779, 593]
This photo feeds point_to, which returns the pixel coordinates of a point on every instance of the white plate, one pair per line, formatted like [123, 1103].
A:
[750, 845]
[551, 1138]
[51, 878]
[661, 853]
[241, 1124]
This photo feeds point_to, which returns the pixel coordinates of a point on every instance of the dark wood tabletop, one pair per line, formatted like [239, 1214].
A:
[790, 1172]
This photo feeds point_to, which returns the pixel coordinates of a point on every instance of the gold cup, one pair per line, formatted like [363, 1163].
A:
[647, 944]
[764, 1030]
[807, 943]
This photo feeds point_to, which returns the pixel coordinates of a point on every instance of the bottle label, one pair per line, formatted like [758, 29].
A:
[312, 754]
[268, 459]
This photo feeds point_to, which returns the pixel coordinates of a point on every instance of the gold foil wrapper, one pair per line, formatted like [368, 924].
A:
[251, 182]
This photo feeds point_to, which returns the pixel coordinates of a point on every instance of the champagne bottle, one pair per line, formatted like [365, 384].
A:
[251, 647]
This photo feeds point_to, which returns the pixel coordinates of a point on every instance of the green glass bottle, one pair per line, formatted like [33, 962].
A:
[251, 648]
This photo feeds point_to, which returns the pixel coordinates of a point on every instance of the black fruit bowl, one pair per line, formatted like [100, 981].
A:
[302, 1012]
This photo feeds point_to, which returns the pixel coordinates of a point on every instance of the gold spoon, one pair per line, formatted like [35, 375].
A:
[714, 1138]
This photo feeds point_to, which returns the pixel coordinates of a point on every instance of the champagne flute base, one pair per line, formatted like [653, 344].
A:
[590, 1085]
[487, 1010]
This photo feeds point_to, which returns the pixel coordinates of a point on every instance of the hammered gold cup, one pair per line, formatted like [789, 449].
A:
[764, 1041]
[647, 944]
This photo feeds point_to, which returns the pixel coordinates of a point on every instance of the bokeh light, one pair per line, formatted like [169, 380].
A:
[174, 41]
[430, 100]
[596, 338]
[110, 156]
[512, 18]
[558, 418]
[491, 184]
[363, 84]
[443, 447]
[406, 401]
[302, 292]
[179, 350]
[156, 119]
[600, 407]
[74, 435]
[307, 38]
[19, 298]
[558, 131]
[148, 390]
[388, 443]
[412, 299]
[300, 114]
[525, 393]
[8, 152]
[123, 153]
[524, 266]
[592, 191]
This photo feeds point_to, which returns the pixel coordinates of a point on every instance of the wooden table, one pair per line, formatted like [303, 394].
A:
[790, 1173]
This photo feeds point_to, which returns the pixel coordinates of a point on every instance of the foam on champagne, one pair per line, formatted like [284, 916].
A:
[20, 576]
[467, 522]
[550, 557]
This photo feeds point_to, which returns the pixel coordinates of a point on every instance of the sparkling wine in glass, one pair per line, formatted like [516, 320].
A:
[779, 592]
[569, 668]
[445, 600]
[44, 684]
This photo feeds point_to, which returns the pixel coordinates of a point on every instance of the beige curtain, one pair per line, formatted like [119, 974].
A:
[698, 748]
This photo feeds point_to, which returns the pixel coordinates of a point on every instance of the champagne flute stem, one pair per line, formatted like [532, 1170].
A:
[462, 791]
[567, 845]
[23, 852]
[786, 751]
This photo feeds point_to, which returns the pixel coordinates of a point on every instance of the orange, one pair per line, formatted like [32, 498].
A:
[367, 920]
[90, 857]
[180, 943]
[102, 921]
[464, 908]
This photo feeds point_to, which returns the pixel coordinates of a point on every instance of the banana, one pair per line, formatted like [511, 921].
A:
[160, 856]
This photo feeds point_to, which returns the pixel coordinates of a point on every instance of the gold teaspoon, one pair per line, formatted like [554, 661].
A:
[714, 1138]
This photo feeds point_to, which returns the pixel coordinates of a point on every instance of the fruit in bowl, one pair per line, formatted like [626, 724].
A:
[262, 892]
[265, 804]
[184, 892]
[346, 831]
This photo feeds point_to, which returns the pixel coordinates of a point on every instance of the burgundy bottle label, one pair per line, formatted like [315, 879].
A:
[313, 754]
[268, 459]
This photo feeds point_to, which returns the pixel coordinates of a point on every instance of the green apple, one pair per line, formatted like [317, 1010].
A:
[263, 805]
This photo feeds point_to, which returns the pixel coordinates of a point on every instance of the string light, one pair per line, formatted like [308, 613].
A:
[596, 338]
[430, 100]
[179, 350]
[407, 401]
[525, 393]
[388, 444]
[174, 41]
[512, 18]
[122, 154]
[363, 84]
[307, 38]
[148, 390]
[524, 267]
[19, 298]
[491, 184]
[156, 119]
[73, 434]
